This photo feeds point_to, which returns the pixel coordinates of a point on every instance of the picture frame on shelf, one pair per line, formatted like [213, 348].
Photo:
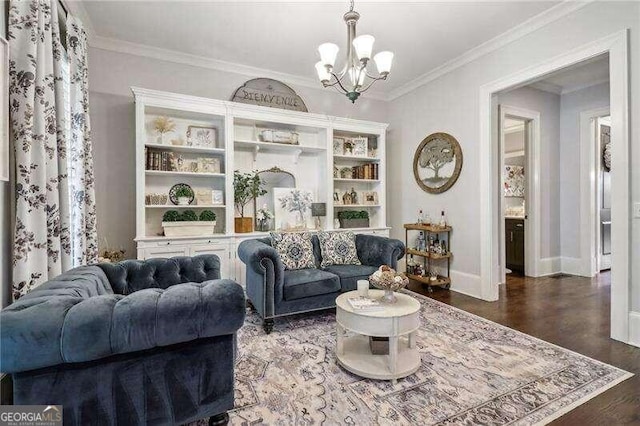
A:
[202, 136]
[293, 208]
[217, 196]
[209, 165]
[359, 146]
[338, 146]
[203, 197]
[370, 198]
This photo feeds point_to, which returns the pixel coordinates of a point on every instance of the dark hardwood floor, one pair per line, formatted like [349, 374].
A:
[572, 312]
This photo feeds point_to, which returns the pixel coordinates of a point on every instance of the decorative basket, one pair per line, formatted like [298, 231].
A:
[156, 199]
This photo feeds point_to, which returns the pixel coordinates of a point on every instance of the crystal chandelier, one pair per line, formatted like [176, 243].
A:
[354, 78]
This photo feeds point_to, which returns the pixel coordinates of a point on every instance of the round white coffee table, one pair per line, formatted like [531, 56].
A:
[398, 321]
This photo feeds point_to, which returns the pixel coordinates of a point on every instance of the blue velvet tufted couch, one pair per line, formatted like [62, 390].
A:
[275, 292]
[132, 343]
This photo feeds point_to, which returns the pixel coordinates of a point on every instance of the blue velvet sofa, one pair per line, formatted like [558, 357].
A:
[275, 292]
[137, 342]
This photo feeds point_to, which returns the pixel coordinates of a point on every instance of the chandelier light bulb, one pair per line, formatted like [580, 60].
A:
[364, 46]
[323, 73]
[383, 61]
[328, 53]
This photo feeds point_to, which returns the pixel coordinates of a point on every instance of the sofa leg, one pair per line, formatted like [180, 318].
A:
[267, 324]
[219, 419]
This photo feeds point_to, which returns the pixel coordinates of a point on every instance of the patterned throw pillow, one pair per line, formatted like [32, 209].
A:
[295, 249]
[338, 248]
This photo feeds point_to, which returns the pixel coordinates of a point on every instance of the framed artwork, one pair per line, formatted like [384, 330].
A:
[370, 198]
[293, 208]
[4, 109]
[359, 147]
[209, 165]
[338, 146]
[437, 162]
[217, 196]
[204, 137]
[203, 197]
[514, 181]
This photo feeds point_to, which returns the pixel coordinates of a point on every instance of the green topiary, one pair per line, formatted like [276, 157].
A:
[189, 216]
[207, 216]
[171, 216]
[184, 191]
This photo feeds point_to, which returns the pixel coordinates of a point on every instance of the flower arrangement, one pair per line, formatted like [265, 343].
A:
[297, 201]
[387, 279]
[264, 214]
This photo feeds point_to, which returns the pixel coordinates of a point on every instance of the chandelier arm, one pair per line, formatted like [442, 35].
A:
[371, 83]
[339, 82]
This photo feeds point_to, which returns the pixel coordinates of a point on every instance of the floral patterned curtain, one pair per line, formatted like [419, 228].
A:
[55, 209]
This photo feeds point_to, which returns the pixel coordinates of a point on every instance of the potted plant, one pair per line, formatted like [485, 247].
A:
[187, 223]
[163, 125]
[184, 194]
[246, 187]
[353, 219]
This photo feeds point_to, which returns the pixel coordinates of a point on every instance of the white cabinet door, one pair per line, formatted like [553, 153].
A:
[221, 249]
[168, 250]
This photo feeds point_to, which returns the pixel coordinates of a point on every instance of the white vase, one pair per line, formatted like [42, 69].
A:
[183, 201]
[336, 223]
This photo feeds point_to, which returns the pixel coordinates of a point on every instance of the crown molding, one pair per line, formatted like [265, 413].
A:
[121, 46]
[527, 27]
[584, 86]
[547, 87]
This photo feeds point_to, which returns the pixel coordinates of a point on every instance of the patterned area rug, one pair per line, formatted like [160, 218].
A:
[473, 371]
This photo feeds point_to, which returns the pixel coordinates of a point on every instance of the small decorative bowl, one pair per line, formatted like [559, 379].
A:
[387, 279]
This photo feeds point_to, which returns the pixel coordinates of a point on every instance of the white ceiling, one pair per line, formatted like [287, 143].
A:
[582, 75]
[283, 37]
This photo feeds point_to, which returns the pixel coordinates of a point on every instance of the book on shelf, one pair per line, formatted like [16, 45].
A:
[159, 160]
[365, 171]
[365, 304]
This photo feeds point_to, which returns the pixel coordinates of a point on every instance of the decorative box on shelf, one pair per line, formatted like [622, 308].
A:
[279, 136]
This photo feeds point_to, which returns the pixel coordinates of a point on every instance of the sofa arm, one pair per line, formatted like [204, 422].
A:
[68, 329]
[375, 251]
[253, 252]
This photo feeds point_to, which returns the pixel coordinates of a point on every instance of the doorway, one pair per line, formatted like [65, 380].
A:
[616, 46]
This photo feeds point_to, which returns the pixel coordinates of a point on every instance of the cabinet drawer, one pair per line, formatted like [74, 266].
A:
[166, 251]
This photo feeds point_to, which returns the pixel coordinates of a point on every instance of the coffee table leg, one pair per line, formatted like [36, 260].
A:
[412, 340]
[393, 357]
[339, 339]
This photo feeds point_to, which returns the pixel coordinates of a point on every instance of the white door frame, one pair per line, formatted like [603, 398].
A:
[532, 196]
[617, 46]
[589, 177]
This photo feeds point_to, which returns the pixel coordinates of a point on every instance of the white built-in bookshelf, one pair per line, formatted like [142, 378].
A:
[318, 163]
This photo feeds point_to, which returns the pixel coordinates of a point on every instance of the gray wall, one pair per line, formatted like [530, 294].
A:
[571, 105]
[450, 103]
[112, 74]
[5, 208]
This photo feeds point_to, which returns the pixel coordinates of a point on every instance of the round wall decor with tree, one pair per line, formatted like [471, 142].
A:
[437, 162]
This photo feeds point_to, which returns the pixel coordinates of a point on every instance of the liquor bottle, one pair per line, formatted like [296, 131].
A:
[443, 247]
[443, 221]
[436, 246]
[420, 217]
[427, 219]
[421, 242]
[411, 265]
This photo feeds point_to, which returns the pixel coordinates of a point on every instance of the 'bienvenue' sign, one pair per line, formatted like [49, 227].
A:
[271, 93]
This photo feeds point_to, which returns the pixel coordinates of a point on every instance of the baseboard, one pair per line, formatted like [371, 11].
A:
[571, 266]
[634, 328]
[464, 283]
[549, 266]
